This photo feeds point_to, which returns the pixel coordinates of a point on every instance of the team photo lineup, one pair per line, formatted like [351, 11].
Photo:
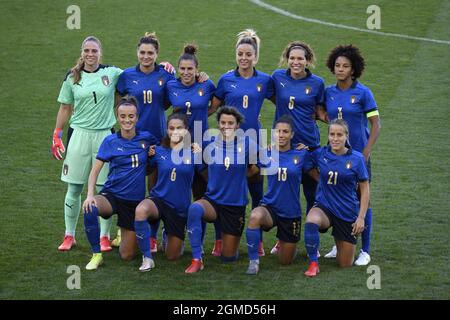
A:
[335, 176]
[225, 150]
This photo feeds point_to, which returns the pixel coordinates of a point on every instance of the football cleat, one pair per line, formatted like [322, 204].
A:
[105, 244]
[153, 245]
[147, 264]
[116, 242]
[217, 250]
[313, 269]
[275, 248]
[253, 267]
[96, 261]
[196, 266]
[363, 259]
[261, 251]
[68, 243]
[332, 253]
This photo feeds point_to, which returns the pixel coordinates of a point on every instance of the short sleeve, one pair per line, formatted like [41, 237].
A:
[152, 162]
[66, 92]
[369, 103]
[325, 93]
[311, 159]
[220, 90]
[361, 170]
[320, 98]
[115, 74]
[104, 152]
[270, 88]
[121, 86]
[211, 88]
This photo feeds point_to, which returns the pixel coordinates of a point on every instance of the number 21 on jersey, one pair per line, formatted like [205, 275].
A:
[332, 177]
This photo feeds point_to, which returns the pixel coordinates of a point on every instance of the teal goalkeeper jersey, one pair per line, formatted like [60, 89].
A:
[92, 98]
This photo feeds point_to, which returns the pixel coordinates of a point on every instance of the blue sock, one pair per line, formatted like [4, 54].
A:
[203, 230]
[194, 229]
[92, 229]
[217, 229]
[253, 239]
[154, 229]
[143, 237]
[365, 238]
[256, 192]
[312, 240]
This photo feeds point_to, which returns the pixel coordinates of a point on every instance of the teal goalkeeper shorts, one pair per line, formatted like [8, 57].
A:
[81, 155]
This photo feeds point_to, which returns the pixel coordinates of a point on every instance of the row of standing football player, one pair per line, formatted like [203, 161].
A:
[295, 91]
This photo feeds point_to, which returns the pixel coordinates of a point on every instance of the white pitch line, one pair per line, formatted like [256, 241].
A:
[334, 25]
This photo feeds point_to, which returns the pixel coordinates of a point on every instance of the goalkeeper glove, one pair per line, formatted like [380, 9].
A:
[57, 145]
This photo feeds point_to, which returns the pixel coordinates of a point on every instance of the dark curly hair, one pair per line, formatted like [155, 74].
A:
[350, 52]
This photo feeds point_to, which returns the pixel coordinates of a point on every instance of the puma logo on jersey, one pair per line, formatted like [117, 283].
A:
[163, 157]
[175, 94]
[135, 82]
[120, 149]
[282, 84]
[233, 86]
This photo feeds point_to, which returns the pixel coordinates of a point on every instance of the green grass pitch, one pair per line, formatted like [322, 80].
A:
[410, 163]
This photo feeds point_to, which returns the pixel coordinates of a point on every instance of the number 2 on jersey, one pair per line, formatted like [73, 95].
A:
[188, 108]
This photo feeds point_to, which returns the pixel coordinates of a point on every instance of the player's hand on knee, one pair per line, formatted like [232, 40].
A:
[57, 144]
[89, 203]
[358, 226]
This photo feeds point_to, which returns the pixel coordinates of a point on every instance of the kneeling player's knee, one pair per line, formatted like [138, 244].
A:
[127, 256]
[255, 220]
[172, 256]
[141, 213]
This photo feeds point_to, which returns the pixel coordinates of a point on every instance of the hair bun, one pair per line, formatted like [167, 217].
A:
[190, 48]
[150, 35]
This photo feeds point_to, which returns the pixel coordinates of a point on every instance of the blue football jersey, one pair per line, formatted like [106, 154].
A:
[150, 91]
[283, 187]
[127, 162]
[246, 95]
[192, 100]
[227, 170]
[299, 98]
[175, 175]
[339, 177]
[352, 105]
